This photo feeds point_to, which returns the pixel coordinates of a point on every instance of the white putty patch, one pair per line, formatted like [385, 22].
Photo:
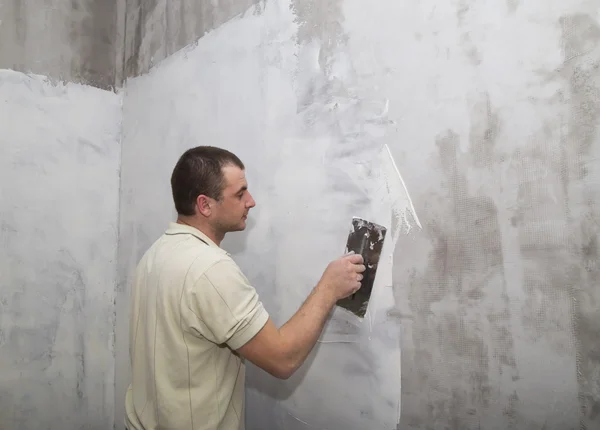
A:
[400, 200]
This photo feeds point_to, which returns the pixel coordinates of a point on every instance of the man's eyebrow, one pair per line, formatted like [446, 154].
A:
[242, 189]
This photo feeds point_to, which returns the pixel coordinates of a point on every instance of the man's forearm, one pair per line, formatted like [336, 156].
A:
[302, 331]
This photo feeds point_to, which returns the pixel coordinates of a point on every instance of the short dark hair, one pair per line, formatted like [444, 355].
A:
[199, 171]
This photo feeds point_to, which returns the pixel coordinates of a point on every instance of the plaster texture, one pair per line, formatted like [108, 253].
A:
[486, 318]
[491, 111]
[59, 185]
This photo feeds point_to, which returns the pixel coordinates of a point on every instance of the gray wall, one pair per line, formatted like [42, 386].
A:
[59, 170]
[75, 41]
[102, 42]
[98, 43]
[59, 186]
[491, 111]
[155, 29]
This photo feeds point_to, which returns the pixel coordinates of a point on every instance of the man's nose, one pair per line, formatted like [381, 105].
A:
[251, 203]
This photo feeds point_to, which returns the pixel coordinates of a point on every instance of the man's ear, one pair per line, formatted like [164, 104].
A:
[203, 205]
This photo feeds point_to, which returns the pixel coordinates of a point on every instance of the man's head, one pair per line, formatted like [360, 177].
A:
[209, 184]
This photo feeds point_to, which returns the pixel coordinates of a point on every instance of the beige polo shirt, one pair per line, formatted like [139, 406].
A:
[190, 307]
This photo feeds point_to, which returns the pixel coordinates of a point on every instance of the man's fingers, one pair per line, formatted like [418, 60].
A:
[355, 258]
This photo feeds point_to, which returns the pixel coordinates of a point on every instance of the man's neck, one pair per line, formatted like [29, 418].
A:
[213, 235]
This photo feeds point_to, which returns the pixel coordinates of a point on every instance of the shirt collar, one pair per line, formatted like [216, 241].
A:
[176, 228]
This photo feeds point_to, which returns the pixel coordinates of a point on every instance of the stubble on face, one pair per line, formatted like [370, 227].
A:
[236, 201]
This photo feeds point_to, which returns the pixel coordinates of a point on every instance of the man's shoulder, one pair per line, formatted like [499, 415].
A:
[201, 260]
[184, 254]
[222, 266]
[223, 272]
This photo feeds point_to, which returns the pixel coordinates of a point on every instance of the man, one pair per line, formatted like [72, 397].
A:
[195, 317]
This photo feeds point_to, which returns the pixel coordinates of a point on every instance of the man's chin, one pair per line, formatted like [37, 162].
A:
[240, 227]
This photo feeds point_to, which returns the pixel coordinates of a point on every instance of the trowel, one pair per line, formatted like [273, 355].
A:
[365, 238]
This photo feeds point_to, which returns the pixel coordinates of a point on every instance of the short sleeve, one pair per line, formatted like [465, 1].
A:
[224, 307]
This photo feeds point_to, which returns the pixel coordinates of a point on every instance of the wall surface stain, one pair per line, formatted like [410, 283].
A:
[483, 133]
[464, 11]
[461, 328]
[321, 20]
[512, 5]
[581, 69]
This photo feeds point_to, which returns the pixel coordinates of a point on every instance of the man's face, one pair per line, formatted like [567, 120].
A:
[230, 213]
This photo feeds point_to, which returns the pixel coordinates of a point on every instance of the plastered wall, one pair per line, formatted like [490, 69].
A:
[59, 187]
[491, 113]
[489, 314]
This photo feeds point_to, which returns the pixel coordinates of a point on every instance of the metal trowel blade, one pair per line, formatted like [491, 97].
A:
[365, 238]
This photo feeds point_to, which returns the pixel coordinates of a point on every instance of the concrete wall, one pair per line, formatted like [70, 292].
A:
[77, 41]
[59, 185]
[491, 111]
[155, 29]
[101, 43]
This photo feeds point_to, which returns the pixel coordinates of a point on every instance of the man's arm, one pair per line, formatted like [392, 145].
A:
[282, 351]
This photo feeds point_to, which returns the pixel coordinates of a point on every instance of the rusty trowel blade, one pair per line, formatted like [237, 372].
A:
[365, 238]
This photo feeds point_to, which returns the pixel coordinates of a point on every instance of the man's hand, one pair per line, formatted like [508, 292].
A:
[281, 352]
[342, 276]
